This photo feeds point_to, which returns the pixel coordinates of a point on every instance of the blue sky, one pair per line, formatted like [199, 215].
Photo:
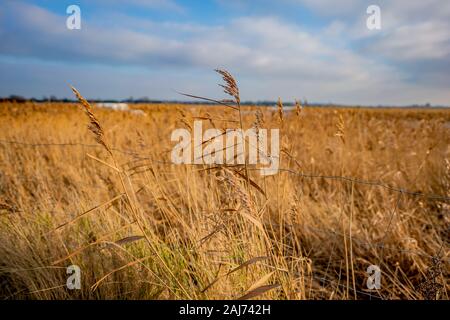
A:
[320, 50]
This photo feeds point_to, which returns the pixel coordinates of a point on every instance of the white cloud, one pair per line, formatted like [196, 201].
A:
[426, 40]
[332, 8]
[148, 4]
[410, 29]
[270, 56]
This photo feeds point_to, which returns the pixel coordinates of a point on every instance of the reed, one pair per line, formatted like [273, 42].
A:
[141, 227]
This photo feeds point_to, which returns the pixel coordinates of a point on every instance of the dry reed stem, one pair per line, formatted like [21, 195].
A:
[340, 129]
[298, 108]
[94, 125]
[230, 87]
[280, 110]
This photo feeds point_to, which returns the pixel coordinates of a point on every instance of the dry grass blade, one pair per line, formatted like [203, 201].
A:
[103, 162]
[94, 125]
[129, 240]
[260, 282]
[280, 110]
[201, 118]
[258, 123]
[298, 108]
[252, 183]
[210, 235]
[230, 87]
[215, 119]
[90, 210]
[211, 284]
[82, 248]
[245, 264]
[258, 291]
[208, 99]
[253, 220]
[340, 129]
[132, 263]
[286, 152]
[74, 253]
[215, 137]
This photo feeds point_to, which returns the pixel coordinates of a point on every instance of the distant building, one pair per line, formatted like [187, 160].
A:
[113, 106]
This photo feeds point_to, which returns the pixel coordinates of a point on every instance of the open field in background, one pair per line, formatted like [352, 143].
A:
[208, 235]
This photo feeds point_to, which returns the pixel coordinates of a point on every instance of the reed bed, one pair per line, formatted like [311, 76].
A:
[356, 187]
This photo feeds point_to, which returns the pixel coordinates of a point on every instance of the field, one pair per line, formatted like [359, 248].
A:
[356, 187]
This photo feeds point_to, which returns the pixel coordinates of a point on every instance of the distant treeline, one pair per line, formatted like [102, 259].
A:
[20, 99]
[145, 100]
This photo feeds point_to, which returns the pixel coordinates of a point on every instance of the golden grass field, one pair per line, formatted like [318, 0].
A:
[140, 227]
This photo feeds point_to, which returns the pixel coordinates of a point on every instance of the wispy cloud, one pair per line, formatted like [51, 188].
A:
[273, 56]
[149, 4]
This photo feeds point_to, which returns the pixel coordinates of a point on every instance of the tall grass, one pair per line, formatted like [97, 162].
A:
[139, 227]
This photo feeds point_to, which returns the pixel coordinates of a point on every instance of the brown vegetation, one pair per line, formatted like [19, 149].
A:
[142, 228]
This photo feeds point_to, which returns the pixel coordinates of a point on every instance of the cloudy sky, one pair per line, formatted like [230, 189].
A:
[320, 50]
